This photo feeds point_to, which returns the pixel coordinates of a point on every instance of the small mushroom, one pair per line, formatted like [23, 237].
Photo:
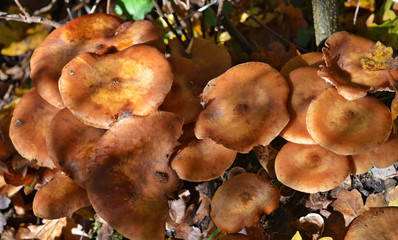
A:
[305, 85]
[70, 144]
[310, 168]
[244, 107]
[59, 198]
[375, 223]
[28, 128]
[344, 70]
[241, 200]
[348, 127]
[129, 178]
[136, 79]
[312, 59]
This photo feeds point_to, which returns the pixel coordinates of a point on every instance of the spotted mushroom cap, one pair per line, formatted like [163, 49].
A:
[310, 168]
[241, 200]
[244, 107]
[129, 178]
[348, 127]
[136, 79]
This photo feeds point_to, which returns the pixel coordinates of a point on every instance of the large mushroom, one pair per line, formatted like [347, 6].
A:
[129, 178]
[244, 107]
[136, 79]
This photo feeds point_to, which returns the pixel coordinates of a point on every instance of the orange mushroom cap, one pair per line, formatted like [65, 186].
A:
[28, 128]
[245, 106]
[202, 160]
[59, 198]
[375, 223]
[136, 79]
[344, 70]
[312, 59]
[82, 34]
[348, 127]
[71, 143]
[129, 178]
[310, 168]
[305, 85]
[6, 147]
[241, 200]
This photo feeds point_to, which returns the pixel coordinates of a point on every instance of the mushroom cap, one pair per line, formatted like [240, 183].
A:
[312, 59]
[59, 198]
[383, 156]
[348, 127]
[81, 34]
[136, 79]
[28, 128]
[202, 160]
[344, 70]
[235, 236]
[6, 147]
[71, 143]
[129, 177]
[180, 99]
[245, 106]
[375, 223]
[241, 200]
[212, 59]
[310, 168]
[305, 85]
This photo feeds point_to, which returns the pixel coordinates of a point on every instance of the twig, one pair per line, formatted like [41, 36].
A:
[108, 6]
[266, 27]
[356, 13]
[27, 16]
[219, 10]
[177, 20]
[86, 7]
[68, 9]
[95, 6]
[46, 8]
[32, 19]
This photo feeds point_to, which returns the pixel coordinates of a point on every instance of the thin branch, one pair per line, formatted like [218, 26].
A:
[216, 27]
[108, 6]
[46, 8]
[31, 19]
[354, 21]
[177, 20]
[68, 9]
[86, 7]
[27, 16]
[95, 6]
[266, 27]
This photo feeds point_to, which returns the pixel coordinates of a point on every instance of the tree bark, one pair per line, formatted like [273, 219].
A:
[325, 19]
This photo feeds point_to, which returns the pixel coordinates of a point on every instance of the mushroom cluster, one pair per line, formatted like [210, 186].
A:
[134, 123]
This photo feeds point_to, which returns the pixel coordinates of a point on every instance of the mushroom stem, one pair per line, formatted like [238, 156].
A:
[325, 19]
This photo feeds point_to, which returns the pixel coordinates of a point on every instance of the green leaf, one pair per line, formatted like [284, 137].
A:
[136, 9]
[386, 32]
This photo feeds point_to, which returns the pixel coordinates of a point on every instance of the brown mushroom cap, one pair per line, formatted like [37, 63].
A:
[245, 106]
[305, 85]
[348, 127]
[59, 198]
[6, 147]
[79, 35]
[202, 160]
[212, 59]
[71, 143]
[310, 168]
[129, 178]
[381, 157]
[344, 70]
[136, 79]
[375, 223]
[241, 200]
[28, 128]
[312, 59]
[235, 236]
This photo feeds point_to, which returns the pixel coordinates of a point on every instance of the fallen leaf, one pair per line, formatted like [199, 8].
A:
[375, 200]
[50, 230]
[381, 59]
[349, 203]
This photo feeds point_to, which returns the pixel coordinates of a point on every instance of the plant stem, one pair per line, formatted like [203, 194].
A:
[325, 19]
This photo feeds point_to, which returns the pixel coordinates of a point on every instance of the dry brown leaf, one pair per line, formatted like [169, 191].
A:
[50, 230]
[375, 200]
[349, 203]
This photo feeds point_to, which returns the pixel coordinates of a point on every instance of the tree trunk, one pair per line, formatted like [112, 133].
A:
[325, 19]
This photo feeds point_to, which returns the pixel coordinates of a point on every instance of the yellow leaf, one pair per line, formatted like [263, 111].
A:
[297, 236]
[326, 238]
[381, 59]
[393, 203]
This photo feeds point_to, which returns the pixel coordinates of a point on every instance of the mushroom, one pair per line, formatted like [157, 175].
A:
[348, 127]
[28, 128]
[344, 69]
[76, 36]
[312, 59]
[129, 178]
[241, 200]
[202, 160]
[136, 79]
[6, 147]
[59, 198]
[244, 107]
[305, 85]
[375, 223]
[77, 144]
[310, 168]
